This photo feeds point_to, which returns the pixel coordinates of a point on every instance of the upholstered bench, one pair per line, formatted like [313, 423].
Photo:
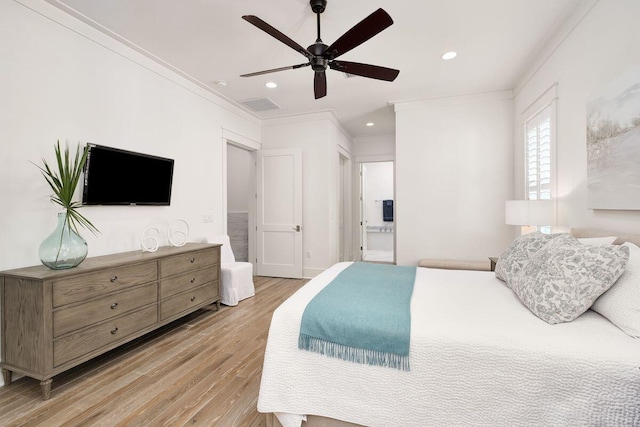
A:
[455, 264]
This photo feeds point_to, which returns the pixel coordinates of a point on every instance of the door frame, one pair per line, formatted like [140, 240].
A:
[345, 206]
[357, 201]
[232, 138]
[341, 208]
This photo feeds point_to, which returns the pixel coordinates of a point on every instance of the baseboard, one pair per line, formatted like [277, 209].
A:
[310, 273]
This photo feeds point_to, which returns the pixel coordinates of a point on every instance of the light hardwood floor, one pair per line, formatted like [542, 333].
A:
[204, 369]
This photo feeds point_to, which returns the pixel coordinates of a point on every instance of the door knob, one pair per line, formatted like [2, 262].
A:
[297, 228]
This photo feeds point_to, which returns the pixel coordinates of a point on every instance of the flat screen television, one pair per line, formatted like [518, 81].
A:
[118, 177]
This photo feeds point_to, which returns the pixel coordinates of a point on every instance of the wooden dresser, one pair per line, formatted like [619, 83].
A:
[53, 320]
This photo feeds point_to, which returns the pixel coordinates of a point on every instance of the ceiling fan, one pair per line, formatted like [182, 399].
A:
[320, 56]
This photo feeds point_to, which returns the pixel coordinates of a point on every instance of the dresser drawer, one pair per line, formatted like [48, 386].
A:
[88, 286]
[187, 300]
[183, 263]
[75, 317]
[183, 282]
[93, 338]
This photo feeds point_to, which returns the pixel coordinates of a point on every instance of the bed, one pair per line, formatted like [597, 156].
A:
[478, 357]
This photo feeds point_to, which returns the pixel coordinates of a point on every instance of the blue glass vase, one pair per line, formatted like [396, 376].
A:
[64, 248]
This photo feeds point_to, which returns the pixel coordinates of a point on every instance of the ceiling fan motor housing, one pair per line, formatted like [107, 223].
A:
[318, 5]
[318, 63]
[317, 49]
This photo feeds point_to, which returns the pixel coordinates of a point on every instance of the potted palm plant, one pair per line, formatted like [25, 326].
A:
[65, 248]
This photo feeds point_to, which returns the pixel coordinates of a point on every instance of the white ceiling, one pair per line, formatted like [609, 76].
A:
[208, 40]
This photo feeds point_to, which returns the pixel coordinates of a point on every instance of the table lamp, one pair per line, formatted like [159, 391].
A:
[529, 213]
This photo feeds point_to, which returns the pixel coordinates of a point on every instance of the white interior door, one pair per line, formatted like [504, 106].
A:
[279, 213]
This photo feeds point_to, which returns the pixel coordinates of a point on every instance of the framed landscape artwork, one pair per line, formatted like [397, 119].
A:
[613, 144]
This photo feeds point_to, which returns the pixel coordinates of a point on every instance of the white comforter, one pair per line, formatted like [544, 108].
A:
[478, 357]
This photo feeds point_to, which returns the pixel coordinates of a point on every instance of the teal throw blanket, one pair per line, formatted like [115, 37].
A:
[363, 315]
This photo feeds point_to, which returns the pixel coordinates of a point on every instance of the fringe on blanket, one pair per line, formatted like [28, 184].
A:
[353, 354]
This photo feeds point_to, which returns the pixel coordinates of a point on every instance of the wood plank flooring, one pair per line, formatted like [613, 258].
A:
[201, 370]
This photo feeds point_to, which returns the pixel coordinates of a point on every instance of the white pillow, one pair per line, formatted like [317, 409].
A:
[564, 278]
[597, 241]
[621, 303]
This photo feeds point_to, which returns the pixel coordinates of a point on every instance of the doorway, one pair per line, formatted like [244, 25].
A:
[240, 174]
[377, 212]
[263, 206]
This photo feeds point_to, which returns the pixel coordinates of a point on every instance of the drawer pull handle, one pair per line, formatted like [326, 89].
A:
[114, 305]
[192, 260]
[193, 280]
[114, 330]
[193, 299]
[114, 278]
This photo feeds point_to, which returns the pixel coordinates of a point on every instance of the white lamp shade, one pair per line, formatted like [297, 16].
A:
[529, 212]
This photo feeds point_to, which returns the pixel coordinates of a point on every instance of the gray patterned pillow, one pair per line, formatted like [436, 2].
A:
[564, 278]
[518, 254]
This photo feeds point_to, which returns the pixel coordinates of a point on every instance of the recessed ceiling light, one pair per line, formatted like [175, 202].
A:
[220, 82]
[370, 124]
[271, 85]
[449, 55]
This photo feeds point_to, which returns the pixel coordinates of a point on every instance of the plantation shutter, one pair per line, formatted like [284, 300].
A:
[538, 155]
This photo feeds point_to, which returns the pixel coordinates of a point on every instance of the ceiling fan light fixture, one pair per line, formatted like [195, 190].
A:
[449, 55]
[271, 85]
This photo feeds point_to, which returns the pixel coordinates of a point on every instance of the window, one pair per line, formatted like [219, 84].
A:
[538, 155]
[539, 131]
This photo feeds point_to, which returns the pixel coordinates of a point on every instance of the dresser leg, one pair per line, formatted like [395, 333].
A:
[45, 386]
[218, 305]
[6, 376]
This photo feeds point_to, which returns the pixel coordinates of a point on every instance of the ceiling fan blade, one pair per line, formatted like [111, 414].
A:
[320, 84]
[276, 34]
[360, 33]
[274, 70]
[365, 70]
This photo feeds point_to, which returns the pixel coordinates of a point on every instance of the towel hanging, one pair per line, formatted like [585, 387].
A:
[387, 210]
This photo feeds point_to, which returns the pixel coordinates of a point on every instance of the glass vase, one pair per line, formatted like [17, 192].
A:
[64, 248]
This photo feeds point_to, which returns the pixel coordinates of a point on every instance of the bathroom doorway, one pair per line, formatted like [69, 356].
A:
[377, 212]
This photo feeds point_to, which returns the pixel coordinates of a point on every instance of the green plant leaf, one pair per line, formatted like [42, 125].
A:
[63, 183]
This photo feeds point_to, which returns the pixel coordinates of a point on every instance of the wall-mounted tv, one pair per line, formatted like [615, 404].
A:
[118, 177]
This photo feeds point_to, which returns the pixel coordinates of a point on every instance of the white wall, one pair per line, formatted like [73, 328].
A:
[61, 79]
[599, 44]
[373, 148]
[320, 138]
[453, 173]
